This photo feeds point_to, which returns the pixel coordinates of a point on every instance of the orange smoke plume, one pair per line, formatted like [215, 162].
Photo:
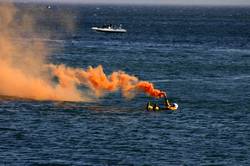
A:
[25, 72]
[22, 62]
[100, 83]
[149, 89]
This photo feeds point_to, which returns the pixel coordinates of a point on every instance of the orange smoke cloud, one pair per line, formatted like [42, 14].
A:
[15, 82]
[25, 72]
[100, 83]
[22, 62]
[149, 89]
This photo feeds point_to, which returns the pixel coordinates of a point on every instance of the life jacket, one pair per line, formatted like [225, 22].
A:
[152, 107]
[173, 107]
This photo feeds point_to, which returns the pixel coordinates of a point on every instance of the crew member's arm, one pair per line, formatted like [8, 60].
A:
[162, 94]
[168, 104]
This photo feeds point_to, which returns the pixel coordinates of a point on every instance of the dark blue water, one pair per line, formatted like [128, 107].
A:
[199, 55]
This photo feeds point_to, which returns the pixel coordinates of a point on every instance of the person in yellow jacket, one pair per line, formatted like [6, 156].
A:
[168, 105]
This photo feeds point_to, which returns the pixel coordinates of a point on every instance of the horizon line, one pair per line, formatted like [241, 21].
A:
[129, 4]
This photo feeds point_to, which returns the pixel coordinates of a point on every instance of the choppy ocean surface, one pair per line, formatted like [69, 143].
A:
[199, 55]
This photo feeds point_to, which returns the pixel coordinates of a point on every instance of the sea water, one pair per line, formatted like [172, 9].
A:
[199, 55]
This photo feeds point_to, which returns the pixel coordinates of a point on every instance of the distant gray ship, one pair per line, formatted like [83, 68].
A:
[110, 29]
